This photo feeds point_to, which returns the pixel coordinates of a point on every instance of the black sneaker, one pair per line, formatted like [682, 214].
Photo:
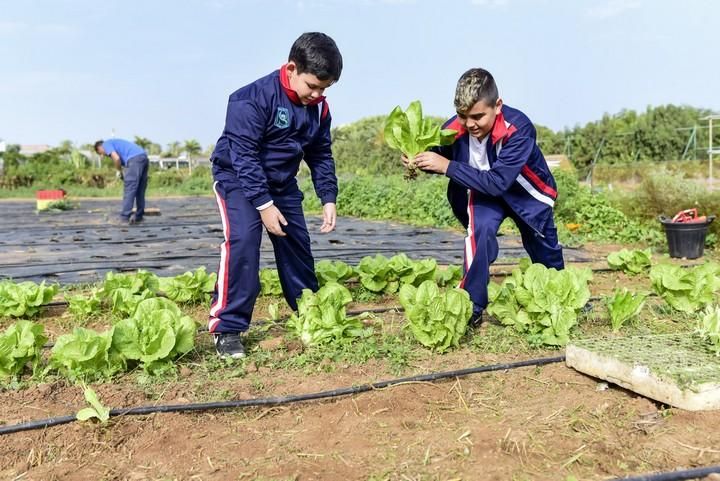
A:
[228, 344]
[475, 320]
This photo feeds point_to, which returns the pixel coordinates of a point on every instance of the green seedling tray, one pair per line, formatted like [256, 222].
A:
[675, 369]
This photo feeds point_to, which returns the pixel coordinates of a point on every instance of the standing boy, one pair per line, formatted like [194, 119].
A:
[134, 160]
[496, 170]
[271, 125]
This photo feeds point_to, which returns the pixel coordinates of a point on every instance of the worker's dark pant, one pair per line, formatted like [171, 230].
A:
[136, 178]
[238, 282]
[481, 245]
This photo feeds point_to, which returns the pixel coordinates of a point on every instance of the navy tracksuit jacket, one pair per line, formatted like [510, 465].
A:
[518, 185]
[268, 132]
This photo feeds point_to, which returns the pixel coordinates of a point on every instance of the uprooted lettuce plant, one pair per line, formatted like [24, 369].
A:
[382, 275]
[20, 345]
[24, 299]
[190, 287]
[623, 306]
[630, 261]
[156, 334]
[686, 290]
[541, 303]
[411, 134]
[321, 317]
[328, 271]
[437, 319]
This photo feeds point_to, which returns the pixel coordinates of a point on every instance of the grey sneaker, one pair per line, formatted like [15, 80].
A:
[228, 344]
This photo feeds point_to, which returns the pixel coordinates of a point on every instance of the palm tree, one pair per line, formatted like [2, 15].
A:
[65, 147]
[143, 142]
[192, 147]
[173, 149]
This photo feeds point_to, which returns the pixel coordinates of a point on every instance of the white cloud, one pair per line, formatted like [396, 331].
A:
[10, 28]
[490, 3]
[611, 8]
[15, 28]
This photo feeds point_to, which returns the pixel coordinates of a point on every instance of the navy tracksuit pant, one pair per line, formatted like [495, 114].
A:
[481, 246]
[238, 283]
[135, 182]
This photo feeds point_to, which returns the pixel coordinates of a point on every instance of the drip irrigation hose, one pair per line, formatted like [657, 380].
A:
[279, 400]
[680, 475]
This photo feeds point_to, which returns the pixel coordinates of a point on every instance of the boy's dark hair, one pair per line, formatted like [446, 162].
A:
[317, 54]
[98, 144]
[475, 85]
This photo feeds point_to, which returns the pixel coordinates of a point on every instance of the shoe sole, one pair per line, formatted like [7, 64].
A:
[231, 356]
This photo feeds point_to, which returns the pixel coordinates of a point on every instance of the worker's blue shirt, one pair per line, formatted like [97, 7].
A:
[125, 149]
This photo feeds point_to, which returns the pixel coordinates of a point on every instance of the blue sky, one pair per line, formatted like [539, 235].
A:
[79, 69]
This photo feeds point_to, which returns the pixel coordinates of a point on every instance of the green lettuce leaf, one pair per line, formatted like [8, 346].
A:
[411, 134]
[541, 303]
[437, 319]
[21, 344]
[24, 299]
[333, 271]
[321, 317]
[270, 283]
[156, 334]
[623, 306]
[190, 287]
[630, 261]
[686, 290]
[86, 355]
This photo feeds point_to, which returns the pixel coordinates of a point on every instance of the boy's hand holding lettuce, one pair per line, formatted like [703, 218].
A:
[412, 134]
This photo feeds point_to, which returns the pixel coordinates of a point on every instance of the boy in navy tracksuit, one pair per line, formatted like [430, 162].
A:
[271, 125]
[496, 170]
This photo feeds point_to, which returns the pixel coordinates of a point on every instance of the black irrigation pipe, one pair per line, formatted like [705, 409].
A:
[55, 228]
[123, 260]
[279, 400]
[680, 475]
[492, 274]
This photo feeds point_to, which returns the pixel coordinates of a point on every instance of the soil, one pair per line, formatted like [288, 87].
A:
[528, 423]
[524, 424]
[545, 423]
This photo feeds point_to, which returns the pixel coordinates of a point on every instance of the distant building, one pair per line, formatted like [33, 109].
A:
[34, 149]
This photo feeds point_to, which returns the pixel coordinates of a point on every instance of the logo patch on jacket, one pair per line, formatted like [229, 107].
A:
[282, 118]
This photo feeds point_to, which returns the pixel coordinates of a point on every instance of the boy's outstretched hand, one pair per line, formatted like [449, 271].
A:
[273, 220]
[432, 162]
[329, 218]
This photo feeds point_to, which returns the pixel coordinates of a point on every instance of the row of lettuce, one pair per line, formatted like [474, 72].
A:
[151, 331]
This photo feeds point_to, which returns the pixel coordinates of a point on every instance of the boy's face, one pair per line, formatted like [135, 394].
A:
[306, 85]
[479, 120]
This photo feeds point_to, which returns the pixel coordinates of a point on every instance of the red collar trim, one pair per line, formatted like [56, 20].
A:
[500, 129]
[292, 95]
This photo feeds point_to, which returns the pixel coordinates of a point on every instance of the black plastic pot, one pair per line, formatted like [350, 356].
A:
[686, 239]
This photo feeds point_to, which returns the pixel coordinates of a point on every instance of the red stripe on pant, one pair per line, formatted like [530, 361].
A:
[470, 241]
[221, 301]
